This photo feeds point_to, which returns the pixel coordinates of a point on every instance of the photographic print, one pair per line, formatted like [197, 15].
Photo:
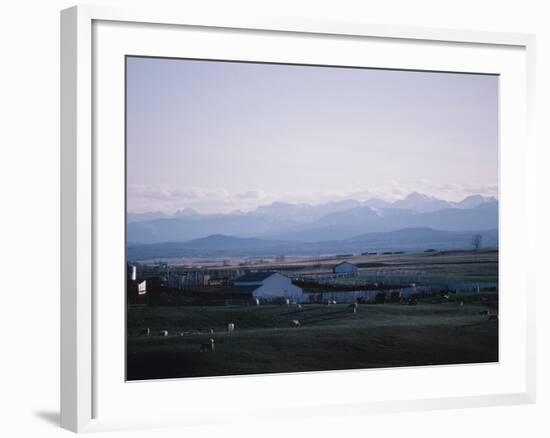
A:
[297, 218]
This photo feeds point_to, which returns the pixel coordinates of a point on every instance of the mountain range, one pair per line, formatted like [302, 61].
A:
[332, 221]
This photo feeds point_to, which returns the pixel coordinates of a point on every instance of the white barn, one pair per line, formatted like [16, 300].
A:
[345, 268]
[269, 286]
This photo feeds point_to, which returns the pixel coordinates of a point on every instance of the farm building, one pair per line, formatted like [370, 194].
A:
[131, 272]
[345, 268]
[268, 286]
[136, 291]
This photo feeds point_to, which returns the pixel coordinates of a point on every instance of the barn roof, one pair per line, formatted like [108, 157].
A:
[345, 263]
[255, 276]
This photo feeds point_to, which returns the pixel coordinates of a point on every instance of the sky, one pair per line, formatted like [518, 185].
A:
[222, 136]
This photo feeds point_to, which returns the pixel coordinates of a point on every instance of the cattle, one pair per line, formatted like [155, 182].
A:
[295, 323]
[352, 308]
[230, 327]
[145, 331]
[207, 346]
[163, 333]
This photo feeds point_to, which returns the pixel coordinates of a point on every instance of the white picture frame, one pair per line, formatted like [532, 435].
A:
[84, 371]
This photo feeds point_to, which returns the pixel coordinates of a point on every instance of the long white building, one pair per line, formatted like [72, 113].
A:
[270, 286]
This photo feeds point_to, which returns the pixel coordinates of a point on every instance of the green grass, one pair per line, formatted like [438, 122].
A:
[330, 338]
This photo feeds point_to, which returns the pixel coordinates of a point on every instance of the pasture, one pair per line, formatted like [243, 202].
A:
[419, 268]
[329, 338]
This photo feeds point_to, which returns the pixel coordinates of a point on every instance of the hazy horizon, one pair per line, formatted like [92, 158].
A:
[221, 136]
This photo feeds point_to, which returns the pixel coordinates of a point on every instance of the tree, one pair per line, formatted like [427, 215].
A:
[476, 241]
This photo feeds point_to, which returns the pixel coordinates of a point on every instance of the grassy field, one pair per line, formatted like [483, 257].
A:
[330, 338]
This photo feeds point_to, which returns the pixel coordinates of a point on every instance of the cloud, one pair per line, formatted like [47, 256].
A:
[170, 199]
[252, 194]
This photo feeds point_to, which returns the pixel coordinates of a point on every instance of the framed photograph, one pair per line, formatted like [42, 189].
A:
[278, 217]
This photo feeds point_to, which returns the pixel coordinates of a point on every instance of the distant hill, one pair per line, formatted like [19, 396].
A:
[216, 245]
[222, 242]
[181, 229]
[409, 239]
[421, 239]
[361, 220]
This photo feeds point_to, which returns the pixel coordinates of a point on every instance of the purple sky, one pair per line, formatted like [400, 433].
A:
[221, 136]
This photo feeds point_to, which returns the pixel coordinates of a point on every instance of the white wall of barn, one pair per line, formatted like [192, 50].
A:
[277, 286]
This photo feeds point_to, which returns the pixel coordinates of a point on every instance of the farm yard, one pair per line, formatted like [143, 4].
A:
[328, 338]
[391, 310]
